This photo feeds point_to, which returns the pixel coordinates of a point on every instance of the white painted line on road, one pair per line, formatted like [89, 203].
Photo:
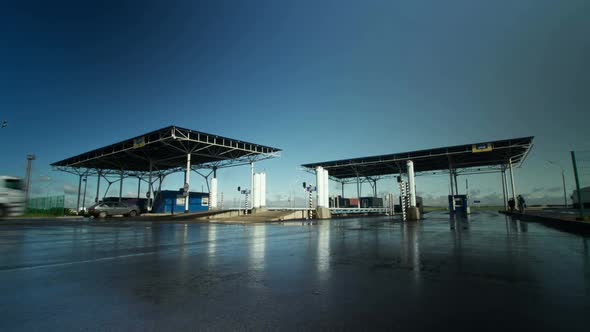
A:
[75, 263]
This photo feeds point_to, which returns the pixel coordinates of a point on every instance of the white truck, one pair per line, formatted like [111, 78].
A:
[12, 197]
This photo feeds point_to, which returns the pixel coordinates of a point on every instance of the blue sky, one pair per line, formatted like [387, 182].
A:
[322, 80]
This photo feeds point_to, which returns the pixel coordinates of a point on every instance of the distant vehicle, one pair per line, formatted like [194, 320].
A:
[140, 202]
[585, 197]
[12, 197]
[105, 209]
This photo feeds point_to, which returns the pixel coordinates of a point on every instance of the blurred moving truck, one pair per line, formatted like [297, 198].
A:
[12, 197]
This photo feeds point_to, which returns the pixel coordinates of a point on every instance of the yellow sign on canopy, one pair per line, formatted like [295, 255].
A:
[483, 147]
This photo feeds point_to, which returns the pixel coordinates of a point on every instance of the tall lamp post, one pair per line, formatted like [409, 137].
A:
[562, 179]
[30, 158]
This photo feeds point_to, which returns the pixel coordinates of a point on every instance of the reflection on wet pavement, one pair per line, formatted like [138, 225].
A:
[361, 273]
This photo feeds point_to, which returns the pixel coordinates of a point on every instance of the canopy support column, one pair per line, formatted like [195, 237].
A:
[121, 188]
[160, 179]
[187, 182]
[319, 175]
[413, 211]
[375, 188]
[358, 191]
[138, 187]
[149, 192]
[84, 196]
[506, 185]
[411, 183]
[512, 180]
[98, 186]
[213, 190]
[79, 192]
[108, 188]
[503, 175]
[451, 179]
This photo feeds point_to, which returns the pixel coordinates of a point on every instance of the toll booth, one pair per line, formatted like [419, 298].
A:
[340, 202]
[459, 204]
[371, 202]
[172, 201]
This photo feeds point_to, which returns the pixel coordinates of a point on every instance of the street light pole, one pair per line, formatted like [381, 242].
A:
[30, 158]
[562, 179]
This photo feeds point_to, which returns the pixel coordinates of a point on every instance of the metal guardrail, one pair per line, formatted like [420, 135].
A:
[336, 210]
[357, 210]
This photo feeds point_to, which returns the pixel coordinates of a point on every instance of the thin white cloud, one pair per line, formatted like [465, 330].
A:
[44, 178]
[70, 190]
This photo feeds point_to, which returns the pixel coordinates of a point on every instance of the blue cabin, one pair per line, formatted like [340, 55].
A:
[172, 201]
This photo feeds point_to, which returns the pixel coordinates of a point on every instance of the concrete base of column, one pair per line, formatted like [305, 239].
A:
[413, 214]
[323, 213]
[258, 210]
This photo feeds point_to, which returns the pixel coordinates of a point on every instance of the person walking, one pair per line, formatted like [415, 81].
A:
[511, 204]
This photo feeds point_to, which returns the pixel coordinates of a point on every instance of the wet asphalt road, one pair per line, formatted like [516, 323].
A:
[489, 273]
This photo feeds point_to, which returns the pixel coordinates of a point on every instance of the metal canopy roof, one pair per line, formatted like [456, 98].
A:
[469, 158]
[167, 149]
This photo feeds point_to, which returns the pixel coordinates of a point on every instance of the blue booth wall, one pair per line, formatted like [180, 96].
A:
[166, 202]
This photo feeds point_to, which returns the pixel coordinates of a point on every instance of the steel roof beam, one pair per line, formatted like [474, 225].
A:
[431, 160]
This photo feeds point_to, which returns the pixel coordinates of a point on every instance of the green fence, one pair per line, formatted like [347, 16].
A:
[581, 164]
[47, 206]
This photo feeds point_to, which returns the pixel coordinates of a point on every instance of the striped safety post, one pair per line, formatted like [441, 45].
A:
[403, 191]
[408, 194]
[247, 205]
[310, 214]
